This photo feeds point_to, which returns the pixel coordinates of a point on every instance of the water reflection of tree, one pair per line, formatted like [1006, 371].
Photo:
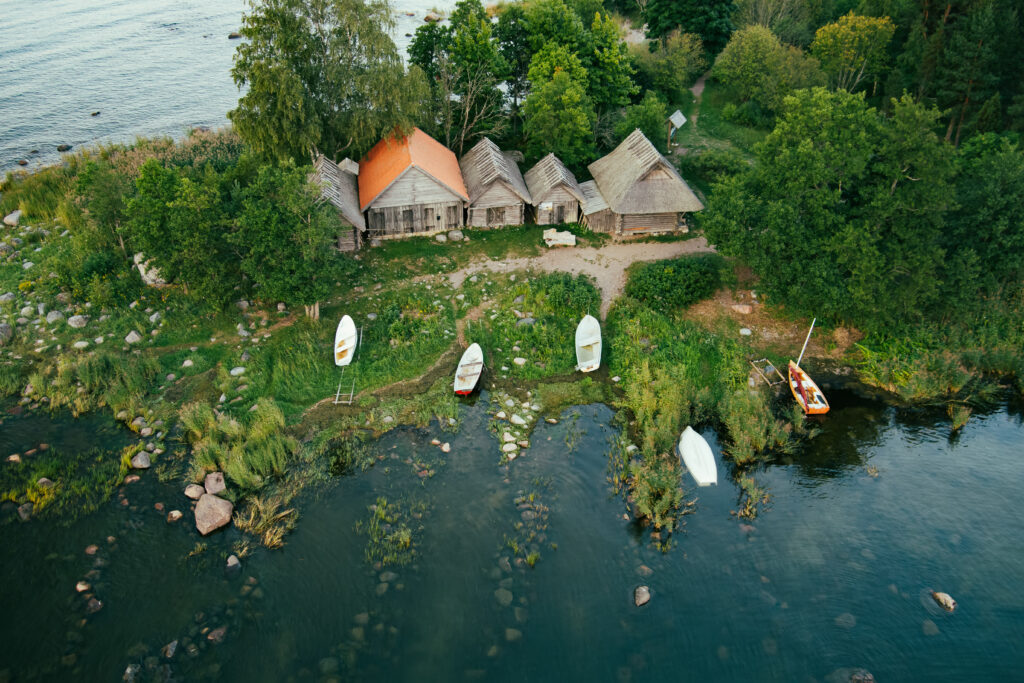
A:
[846, 436]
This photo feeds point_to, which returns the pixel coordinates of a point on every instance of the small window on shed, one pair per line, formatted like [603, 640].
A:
[496, 216]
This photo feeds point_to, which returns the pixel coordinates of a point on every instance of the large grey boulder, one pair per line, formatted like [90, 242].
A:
[212, 513]
[455, 235]
[150, 273]
[78, 321]
[7, 298]
[215, 482]
[141, 461]
[12, 218]
[194, 491]
[133, 337]
[54, 316]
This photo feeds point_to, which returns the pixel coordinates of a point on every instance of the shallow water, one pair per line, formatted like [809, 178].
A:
[149, 67]
[834, 574]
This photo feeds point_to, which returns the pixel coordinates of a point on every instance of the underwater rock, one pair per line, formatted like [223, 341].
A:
[503, 596]
[217, 635]
[233, 567]
[513, 635]
[170, 649]
[944, 600]
[846, 620]
[446, 447]
[929, 628]
[641, 596]
[174, 516]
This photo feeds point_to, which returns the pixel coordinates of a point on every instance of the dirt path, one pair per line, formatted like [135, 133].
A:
[607, 264]
[698, 91]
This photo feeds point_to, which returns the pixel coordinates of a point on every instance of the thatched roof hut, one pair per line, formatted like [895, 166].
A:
[497, 193]
[556, 194]
[339, 185]
[644, 192]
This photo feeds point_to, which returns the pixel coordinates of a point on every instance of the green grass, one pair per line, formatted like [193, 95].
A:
[556, 301]
[713, 129]
[81, 481]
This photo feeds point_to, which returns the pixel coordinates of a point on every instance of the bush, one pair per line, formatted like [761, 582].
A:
[713, 165]
[676, 282]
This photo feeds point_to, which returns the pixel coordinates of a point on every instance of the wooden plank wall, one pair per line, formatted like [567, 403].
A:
[393, 221]
[513, 215]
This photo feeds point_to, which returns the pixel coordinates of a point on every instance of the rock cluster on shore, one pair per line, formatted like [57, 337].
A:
[212, 512]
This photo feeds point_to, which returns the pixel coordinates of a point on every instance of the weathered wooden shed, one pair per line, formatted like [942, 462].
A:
[637, 191]
[411, 186]
[339, 185]
[556, 194]
[497, 193]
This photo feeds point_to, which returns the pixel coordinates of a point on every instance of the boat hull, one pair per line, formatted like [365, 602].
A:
[345, 340]
[467, 374]
[807, 394]
[698, 457]
[588, 344]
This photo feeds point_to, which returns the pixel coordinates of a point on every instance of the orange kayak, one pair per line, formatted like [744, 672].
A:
[806, 392]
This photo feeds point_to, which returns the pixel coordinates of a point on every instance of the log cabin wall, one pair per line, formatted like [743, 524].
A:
[558, 206]
[414, 204]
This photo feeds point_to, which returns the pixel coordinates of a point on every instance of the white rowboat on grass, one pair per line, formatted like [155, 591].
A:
[468, 372]
[345, 340]
[588, 344]
[698, 458]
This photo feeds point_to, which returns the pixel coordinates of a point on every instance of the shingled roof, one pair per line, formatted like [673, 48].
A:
[340, 187]
[592, 201]
[547, 174]
[619, 176]
[390, 159]
[484, 165]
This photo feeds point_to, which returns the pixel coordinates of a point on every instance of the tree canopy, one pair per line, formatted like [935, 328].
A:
[321, 74]
[853, 48]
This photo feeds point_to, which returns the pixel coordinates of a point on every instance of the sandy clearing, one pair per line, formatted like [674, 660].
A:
[607, 264]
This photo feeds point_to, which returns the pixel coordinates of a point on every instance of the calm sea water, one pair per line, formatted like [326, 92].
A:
[149, 67]
[879, 509]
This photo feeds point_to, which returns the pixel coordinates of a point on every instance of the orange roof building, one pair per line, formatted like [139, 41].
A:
[411, 185]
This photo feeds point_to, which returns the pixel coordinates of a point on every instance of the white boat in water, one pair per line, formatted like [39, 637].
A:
[588, 344]
[698, 458]
[345, 340]
[468, 372]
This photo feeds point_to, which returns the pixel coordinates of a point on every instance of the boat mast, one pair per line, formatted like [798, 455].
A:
[805, 342]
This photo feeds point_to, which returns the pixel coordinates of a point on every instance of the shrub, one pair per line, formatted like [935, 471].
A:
[713, 165]
[675, 283]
